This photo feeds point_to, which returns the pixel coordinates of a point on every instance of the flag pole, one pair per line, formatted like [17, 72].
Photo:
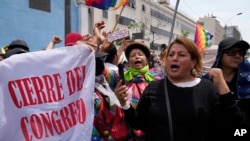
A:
[173, 22]
[117, 20]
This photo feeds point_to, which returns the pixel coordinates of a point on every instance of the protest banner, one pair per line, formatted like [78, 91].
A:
[47, 95]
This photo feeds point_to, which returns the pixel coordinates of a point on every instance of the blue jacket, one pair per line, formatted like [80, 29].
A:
[243, 76]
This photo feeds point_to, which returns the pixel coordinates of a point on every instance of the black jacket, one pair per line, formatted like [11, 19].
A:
[198, 113]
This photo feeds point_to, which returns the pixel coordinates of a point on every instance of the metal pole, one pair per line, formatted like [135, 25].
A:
[225, 31]
[225, 22]
[232, 17]
[153, 41]
[173, 22]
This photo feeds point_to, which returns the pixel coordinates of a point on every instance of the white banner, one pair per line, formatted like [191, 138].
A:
[47, 95]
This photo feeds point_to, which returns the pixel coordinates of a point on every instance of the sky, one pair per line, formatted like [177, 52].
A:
[225, 10]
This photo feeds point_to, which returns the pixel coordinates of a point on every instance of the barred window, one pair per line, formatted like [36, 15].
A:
[132, 3]
[105, 14]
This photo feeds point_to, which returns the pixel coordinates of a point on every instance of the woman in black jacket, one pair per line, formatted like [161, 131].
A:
[182, 106]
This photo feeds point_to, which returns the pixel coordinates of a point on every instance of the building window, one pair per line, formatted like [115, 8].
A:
[143, 8]
[105, 14]
[160, 16]
[131, 3]
[159, 31]
[124, 20]
[185, 27]
[43, 5]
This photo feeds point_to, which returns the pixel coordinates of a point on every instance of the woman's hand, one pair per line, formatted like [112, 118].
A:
[120, 92]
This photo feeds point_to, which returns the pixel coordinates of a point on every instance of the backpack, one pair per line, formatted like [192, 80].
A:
[110, 124]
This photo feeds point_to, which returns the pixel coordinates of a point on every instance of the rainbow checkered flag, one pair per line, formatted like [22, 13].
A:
[202, 37]
[106, 4]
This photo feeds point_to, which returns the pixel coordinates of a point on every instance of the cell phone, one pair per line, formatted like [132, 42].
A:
[118, 35]
[121, 73]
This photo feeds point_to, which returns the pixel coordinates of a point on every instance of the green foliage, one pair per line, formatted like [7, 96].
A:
[136, 25]
[185, 33]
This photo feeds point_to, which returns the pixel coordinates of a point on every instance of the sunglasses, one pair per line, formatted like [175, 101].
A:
[233, 52]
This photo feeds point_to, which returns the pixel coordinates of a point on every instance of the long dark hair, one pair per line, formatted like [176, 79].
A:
[99, 66]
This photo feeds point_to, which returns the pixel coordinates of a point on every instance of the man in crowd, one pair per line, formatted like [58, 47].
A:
[16, 47]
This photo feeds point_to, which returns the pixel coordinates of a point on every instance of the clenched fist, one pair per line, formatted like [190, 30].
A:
[218, 79]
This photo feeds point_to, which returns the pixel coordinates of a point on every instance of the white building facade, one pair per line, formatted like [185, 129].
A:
[154, 19]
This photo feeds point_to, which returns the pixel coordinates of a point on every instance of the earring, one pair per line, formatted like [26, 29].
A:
[194, 72]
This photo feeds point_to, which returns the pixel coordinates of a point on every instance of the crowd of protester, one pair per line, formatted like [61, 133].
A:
[165, 96]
